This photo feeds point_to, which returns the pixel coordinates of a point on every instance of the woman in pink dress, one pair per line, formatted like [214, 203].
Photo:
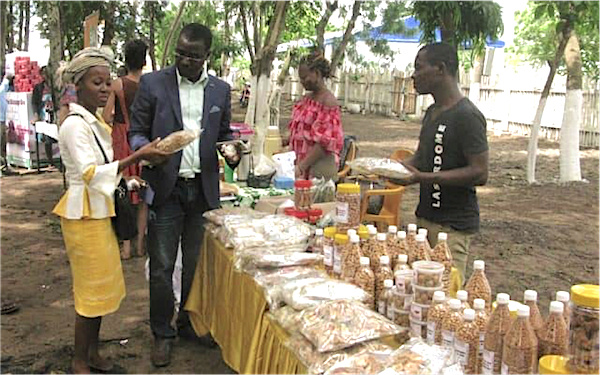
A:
[316, 134]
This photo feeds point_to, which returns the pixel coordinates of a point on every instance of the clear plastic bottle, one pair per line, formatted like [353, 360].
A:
[402, 243]
[535, 317]
[441, 254]
[384, 272]
[496, 329]
[339, 251]
[466, 343]
[451, 322]
[328, 244]
[317, 244]
[382, 302]
[554, 336]
[392, 244]
[378, 249]
[564, 297]
[437, 312]
[365, 279]
[482, 318]
[369, 244]
[351, 259]
[478, 285]
[585, 326]
[421, 252]
[424, 232]
[519, 354]
[411, 240]
[463, 297]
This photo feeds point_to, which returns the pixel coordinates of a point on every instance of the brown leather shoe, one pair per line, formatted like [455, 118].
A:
[161, 353]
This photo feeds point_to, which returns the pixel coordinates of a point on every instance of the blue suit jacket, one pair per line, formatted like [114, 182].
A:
[156, 112]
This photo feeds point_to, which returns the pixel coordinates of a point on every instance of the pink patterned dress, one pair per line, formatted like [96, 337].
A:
[314, 123]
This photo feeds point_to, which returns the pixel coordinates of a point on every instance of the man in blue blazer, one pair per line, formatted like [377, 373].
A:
[186, 184]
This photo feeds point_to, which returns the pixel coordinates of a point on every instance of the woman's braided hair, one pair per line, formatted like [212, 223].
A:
[316, 61]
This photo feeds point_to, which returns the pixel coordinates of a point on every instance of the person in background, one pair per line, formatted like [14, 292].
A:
[116, 112]
[43, 110]
[5, 86]
[452, 155]
[179, 97]
[87, 206]
[121, 71]
[316, 134]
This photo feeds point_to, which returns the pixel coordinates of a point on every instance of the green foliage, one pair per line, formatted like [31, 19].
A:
[300, 20]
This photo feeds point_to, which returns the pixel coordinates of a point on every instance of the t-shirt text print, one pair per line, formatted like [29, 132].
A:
[438, 149]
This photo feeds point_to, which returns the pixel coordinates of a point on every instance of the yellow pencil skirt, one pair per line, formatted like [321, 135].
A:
[93, 251]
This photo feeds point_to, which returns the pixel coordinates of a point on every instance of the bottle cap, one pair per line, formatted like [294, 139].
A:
[557, 307]
[587, 295]
[350, 232]
[341, 239]
[381, 236]
[442, 236]
[392, 229]
[502, 298]
[462, 295]
[523, 311]
[563, 296]
[479, 265]
[403, 258]
[439, 296]
[454, 304]
[401, 234]
[530, 295]
[372, 230]
[422, 231]
[420, 238]
[469, 314]
[318, 232]
[384, 259]
[363, 232]
[355, 239]
[412, 227]
[364, 261]
[329, 232]
[348, 189]
[479, 304]
[388, 283]
[554, 364]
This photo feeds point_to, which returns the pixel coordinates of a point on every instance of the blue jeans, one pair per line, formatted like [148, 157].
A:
[179, 218]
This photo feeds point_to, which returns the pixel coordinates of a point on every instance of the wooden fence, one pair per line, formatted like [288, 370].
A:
[508, 110]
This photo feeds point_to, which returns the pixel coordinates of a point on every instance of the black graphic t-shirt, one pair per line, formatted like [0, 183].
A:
[444, 144]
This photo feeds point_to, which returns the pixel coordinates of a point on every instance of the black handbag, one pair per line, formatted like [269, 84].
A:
[125, 221]
[254, 181]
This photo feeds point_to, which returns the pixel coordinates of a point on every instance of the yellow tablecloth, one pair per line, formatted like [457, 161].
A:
[232, 307]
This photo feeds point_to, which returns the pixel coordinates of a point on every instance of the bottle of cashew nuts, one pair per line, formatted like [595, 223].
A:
[519, 354]
[365, 279]
[339, 251]
[496, 329]
[411, 240]
[424, 232]
[351, 259]
[450, 323]
[535, 317]
[463, 297]
[564, 297]
[482, 318]
[401, 263]
[347, 206]
[328, 244]
[478, 285]
[554, 336]
[378, 249]
[383, 272]
[392, 244]
[437, 312]
[466, 343]
[382, 302]
[441, 254]
[369, 244]
[402, 244]
[421, 252]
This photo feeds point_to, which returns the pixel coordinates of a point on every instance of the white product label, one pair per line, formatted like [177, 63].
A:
[504, 369]
[381, 307]
[341, 211]
[461, 349]
[407, 302]
[337, 260]
[431, 333]
[447, 339]
[400, 284]
[328, 255]
[488, 362]
[481, 341]
[416, 329]
[416, 312]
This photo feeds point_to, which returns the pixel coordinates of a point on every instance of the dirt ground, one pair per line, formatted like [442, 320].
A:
[542, 237]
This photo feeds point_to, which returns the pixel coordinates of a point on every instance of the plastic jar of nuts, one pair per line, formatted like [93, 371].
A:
[328, 243]
[428, 274]
[437, 312]
[404, 280]
[519, 355]
[535, 317]
[554, 336]
[583, 335]
[478, 285]
[302, 194]
[450, 323]
[466, 343]
[419, 312]
[351, 259]
[339, 251]
[347, 206]
[424, 295]
[418, 328]
[398, 306]
[496, 329]
[365, 279]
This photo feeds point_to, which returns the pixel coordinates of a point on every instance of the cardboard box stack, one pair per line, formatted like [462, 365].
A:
[27, 74]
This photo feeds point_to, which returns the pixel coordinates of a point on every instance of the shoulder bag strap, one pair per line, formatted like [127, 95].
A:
[95, 137]
[121, 96]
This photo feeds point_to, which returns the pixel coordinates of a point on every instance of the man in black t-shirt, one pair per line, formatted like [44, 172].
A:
[452, 156]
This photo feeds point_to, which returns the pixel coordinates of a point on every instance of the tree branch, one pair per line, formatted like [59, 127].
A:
[171, 32]
[330, 8]
[245, 32]
[339, 52]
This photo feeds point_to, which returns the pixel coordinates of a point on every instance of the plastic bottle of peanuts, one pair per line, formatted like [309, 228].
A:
[466, 343]
[339, 251]
[365, 279]
[450, 323]
[402, 243]
[317, 245]
[382, 302]
[421, 252]
[437, 312]
[392, 244]
[411, 240]
[554, 336]
[351, 259]
[401, 263]
[384, 272]
[478, 285]
[564, 297]
[441, 254]
[496, 329]
[424, 232]
[519, 354]
[463, 297]
[535, 317]
[482, 318]
[378, 249]
[367, 248]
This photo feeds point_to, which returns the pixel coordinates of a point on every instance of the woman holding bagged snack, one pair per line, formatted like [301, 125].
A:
[316, 134]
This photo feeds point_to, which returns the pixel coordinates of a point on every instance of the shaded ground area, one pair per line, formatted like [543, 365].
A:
[543, 237]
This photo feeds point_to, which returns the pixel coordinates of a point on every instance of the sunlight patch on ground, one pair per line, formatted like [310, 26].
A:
[484, 190]
[555, 153]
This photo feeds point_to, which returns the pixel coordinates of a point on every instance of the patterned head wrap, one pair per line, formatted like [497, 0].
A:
[71, 72]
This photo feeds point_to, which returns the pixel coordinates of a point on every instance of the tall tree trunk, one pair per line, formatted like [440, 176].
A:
[109, 22]
[3, 34]
[21, 21]
[225, 63]
[275, 96]
[336, 59]
[174, 25]
[10, 42]
[151, 38]
[330, 7]
[537, 121]
[570, 168]
[56, 49]
[477, 72]
[27, 19]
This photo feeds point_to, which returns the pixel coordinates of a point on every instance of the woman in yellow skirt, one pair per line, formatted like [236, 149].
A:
[87, 206]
